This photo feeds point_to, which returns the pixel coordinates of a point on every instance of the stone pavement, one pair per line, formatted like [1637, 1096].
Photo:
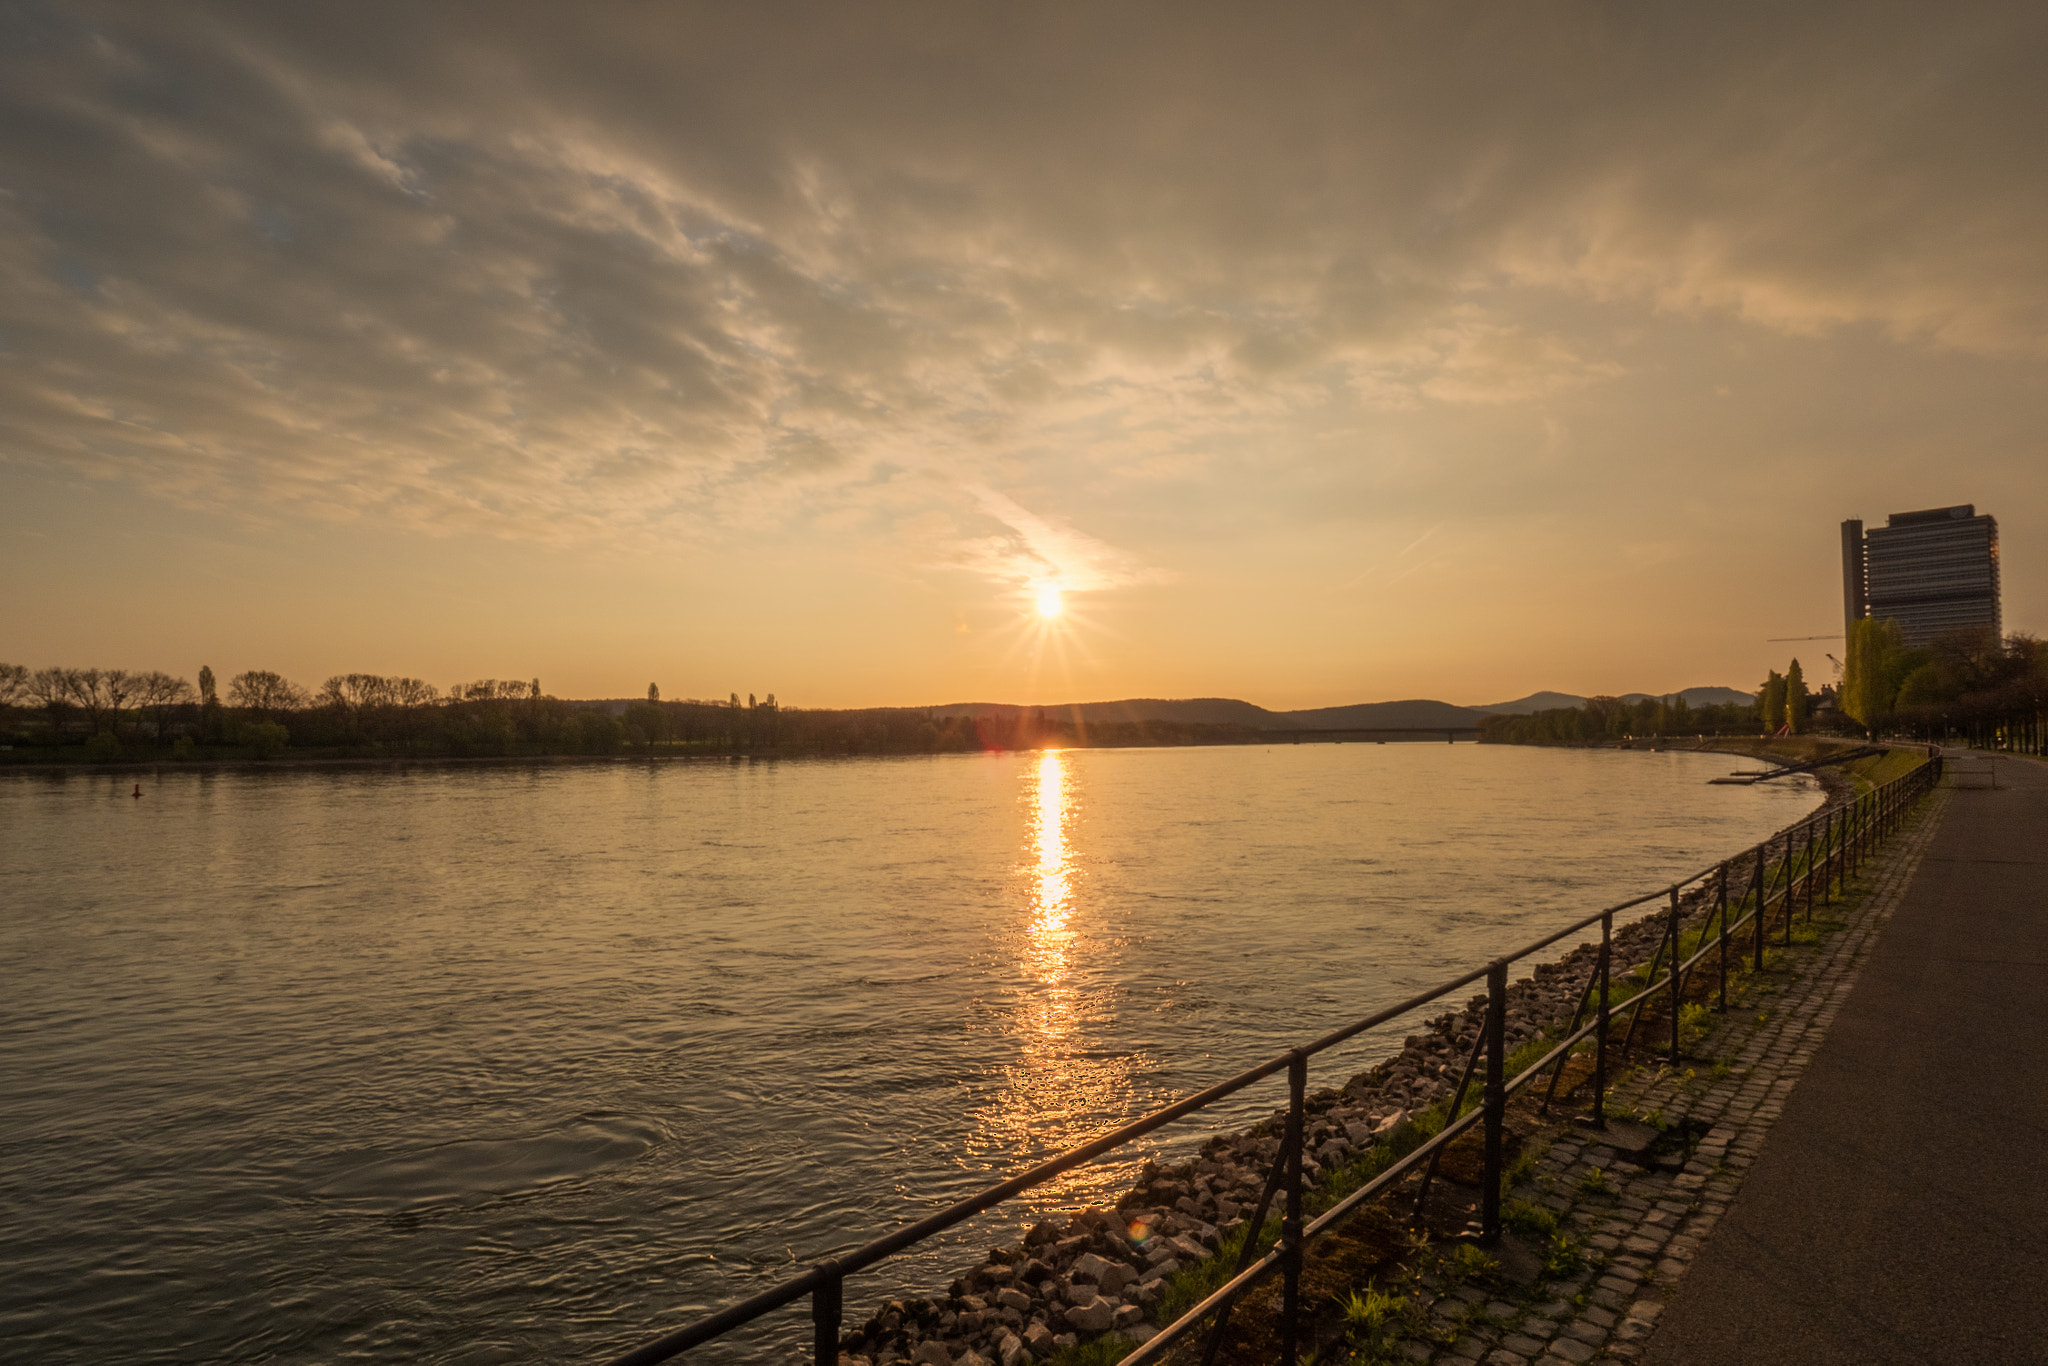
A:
[1641, 1227]
[1899, 1212]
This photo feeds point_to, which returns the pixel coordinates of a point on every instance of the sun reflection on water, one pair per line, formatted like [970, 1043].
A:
[1048, 936]
[1062, 1088]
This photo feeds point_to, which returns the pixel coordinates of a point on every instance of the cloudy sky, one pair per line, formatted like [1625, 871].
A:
[1319, 354]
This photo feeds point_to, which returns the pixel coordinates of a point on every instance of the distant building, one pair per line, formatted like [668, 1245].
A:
[1932, 572]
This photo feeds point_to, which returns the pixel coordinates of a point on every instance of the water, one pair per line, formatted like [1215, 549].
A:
[477, 1065]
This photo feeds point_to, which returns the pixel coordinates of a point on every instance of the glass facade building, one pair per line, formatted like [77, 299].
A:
[1933, 572]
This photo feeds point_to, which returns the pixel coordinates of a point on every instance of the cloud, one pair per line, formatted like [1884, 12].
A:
[1037, 550]
[657, 274]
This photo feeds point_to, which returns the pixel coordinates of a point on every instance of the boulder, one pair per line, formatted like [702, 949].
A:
[1011, 1351]
[1089, 1267]
[1014, 1299]
[931, 1352]
[1128, 1315]
[1096, 1315]
[1038, 1338]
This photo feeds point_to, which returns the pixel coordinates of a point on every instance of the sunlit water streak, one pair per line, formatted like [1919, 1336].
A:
[473, 1066]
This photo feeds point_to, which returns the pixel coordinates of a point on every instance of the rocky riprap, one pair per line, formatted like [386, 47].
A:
[1104, 1270]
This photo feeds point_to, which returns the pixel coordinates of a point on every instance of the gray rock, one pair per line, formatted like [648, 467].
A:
[1127, 1315]
[1095, 1316]
[1089, 1267]
[1011, 1351]
[931, 1352]
[1038, 1338]
[1014, 1299]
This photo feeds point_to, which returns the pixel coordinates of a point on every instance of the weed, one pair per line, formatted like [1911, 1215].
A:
[1721, 1069]
[1102, 1351]
[1528, 1217]
[1367, 1314]
[1594, 1182]
[1469, 1262]
[1694, 1023]
[1518, 1171]
[1560, 1256]
[1636, 1115]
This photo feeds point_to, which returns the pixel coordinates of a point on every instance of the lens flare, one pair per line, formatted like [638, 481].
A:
[1050, 603]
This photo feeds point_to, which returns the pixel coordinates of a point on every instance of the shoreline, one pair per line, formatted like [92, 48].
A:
[1754, 746]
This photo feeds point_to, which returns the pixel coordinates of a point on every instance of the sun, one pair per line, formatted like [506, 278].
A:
[1049, 602]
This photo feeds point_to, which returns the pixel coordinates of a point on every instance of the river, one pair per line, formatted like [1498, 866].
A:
[494, 1064]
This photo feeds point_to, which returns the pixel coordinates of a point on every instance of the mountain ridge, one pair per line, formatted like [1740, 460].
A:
[1414, 713]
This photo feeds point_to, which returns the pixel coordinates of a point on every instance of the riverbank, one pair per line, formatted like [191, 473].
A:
[1106, 1279]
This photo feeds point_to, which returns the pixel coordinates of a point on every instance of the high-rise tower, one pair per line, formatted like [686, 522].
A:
[1932, 572]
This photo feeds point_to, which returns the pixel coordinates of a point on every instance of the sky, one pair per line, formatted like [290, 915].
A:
[1315, 354]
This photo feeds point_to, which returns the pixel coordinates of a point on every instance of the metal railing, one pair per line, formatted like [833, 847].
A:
[1808, 861]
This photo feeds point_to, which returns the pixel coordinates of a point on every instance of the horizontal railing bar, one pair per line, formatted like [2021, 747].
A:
[1395, 1172]
[1227, 1293]
[1236, 1286]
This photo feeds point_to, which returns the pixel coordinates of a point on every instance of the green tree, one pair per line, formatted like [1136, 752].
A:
[1796, 699]
[1771, 701]
[653, 692]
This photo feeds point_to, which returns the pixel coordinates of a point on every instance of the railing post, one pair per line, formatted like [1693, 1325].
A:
[1762, 896]
[1721, 905]
[1827, 859]
[1496, 1096]
[1290, 1227]
[1677, 952]
[1790, 835]
[827, 1307]
[1600, 1036]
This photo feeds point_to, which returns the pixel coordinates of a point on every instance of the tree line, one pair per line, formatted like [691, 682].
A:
[1966, 685]
[109, 715]
[1608, 720]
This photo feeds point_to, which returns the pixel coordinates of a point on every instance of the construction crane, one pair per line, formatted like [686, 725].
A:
[1773, 640]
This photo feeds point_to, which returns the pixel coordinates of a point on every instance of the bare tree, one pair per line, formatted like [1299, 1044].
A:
[413, 692]
[52, 689]
[266, 693]
[13, 684]
[99, 693]
[157, 690]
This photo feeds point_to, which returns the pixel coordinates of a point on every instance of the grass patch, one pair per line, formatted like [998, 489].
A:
[1529, 1218]
[1101, 1351]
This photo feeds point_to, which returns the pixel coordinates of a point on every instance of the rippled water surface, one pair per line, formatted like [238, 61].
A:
[474, 1065]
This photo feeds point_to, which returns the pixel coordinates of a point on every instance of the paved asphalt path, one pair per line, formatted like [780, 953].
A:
[1899, 1209]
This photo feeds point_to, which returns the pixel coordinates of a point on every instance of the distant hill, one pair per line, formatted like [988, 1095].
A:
[1550, 701]
[1229, 711]
[1415, 712]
